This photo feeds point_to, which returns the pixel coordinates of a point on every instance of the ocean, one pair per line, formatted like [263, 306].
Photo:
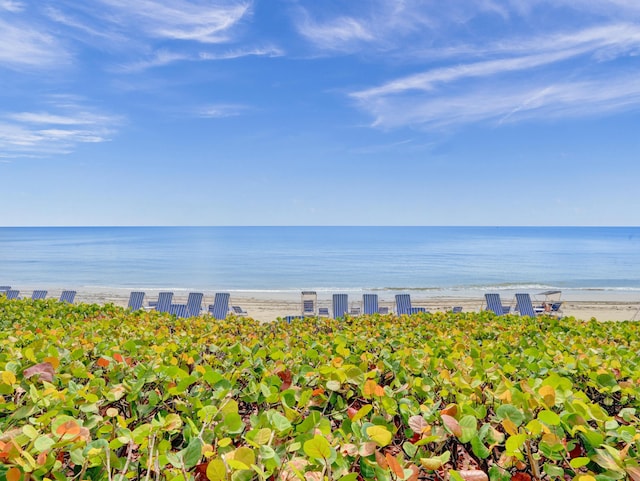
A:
[436, 261]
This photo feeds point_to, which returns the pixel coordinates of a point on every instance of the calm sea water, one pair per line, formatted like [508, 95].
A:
[442, 259]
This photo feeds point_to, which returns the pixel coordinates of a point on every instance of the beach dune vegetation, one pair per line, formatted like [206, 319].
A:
[97, 392]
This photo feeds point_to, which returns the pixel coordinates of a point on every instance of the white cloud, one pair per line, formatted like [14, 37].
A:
[238, 53]
[216, 111]
[12, 6]
[339, 34]
[24, 46]
[527, 79]
[197, 21]
[57, 131]
[509, 102]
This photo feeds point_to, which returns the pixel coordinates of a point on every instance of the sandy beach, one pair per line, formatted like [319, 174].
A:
[267, 306]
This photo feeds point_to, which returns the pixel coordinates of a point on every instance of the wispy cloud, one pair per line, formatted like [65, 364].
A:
[339, 34]
[24, 46]
[55, 131]
[197, 21]
[12, 6]
[216, 111]
[528, 78]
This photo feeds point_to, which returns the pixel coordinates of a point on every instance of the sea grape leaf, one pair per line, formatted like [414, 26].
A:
[380, 434]
[469, 427]
[44, 371]
[549, 417]
[436, 462]
[452, 425]
[362, 412]
[317, 447]
[216, 470]
[508, 411]
[192, 453]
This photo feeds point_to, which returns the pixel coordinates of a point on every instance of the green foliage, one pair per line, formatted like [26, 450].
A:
[96, 392]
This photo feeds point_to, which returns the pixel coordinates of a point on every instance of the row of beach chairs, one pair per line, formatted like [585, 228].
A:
[370, 305]
[192, 308]
[340, 306]
[65, 296]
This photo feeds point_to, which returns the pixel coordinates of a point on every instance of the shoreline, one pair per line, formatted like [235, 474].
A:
[267, 305]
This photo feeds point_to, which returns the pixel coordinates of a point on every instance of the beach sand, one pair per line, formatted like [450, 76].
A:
[267, 306]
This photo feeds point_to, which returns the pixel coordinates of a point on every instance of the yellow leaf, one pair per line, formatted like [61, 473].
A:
[381, 435]
[548, 395]
[54, 361]
[510, 427]
[8, 378]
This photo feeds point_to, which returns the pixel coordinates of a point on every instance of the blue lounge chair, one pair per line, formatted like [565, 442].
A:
[67, 296]
[323, 311]
[238, 311]
[370, 304]
[136, 298]
[340, 305]
[194, 304]
[456, 309]
[178, 310]
[220, 307]
[4, 289]
[495, 304]
[38, 295]
[12, 294]
[403, 304]
[164, 301]
[524, 305]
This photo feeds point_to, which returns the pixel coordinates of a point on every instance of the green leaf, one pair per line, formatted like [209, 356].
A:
[507, 411]
[43, 443]
[317, 447]
[549, 417]
[469, 426]
[192, 453]
[279, 422]
[576, 463]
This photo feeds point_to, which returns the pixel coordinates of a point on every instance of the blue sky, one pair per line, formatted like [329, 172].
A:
[292, 112]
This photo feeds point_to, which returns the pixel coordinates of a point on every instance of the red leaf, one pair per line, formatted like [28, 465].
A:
[286, 377]
[44, 371]
[394, 465]
[521, 477]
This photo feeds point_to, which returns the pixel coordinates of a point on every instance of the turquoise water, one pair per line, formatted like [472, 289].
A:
[323, 258]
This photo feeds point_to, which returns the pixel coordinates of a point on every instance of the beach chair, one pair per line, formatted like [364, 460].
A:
[164, 301]
[179, 310]
[136, 298]
[238, 311]
[194, 304]
[38, 295]
[309, 301]
[12, 294]
[323, 312]
[370, 304]
[340, 305]
[67, 296]
[403, 304]
[524, 305]
[495, 304]
[4, 289]
[220, 307]
[456, 309]
[354, 311]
